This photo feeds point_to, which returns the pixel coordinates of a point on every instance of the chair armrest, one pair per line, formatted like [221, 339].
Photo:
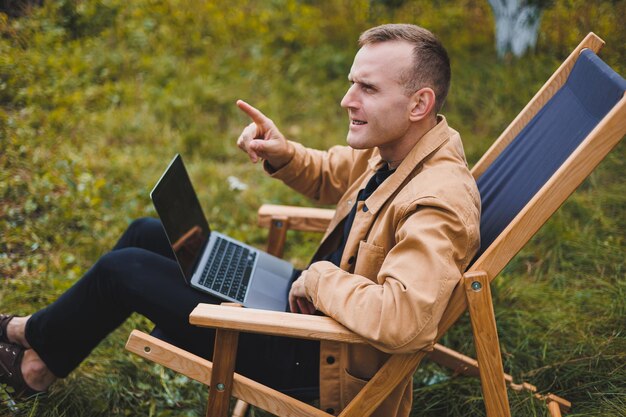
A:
[302, 326]
[308, 219]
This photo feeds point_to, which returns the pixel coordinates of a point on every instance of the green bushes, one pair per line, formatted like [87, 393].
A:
[96, 97]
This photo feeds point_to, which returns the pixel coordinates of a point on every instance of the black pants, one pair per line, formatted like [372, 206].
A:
[140, 275]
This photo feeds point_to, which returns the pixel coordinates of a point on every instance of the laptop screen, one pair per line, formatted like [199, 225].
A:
[181, 215]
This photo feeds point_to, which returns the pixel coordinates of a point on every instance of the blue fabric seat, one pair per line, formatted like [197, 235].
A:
[525, 165]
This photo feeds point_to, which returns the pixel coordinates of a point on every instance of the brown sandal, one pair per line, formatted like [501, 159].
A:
[4, 322]
[11, 371]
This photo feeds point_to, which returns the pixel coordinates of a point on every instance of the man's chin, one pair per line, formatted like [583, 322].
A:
[354, 143]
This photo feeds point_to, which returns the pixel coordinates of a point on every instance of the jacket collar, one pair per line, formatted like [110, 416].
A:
[428, 143]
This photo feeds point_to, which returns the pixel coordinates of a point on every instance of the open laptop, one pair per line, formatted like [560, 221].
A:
[210, 261]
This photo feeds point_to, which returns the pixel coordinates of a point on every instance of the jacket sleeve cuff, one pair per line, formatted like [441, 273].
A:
[291, 167]
[312, 279]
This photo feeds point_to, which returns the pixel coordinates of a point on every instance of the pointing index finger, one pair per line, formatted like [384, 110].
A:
[255, 114]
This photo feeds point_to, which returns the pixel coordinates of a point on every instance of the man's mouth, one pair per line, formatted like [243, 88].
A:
[358, 122]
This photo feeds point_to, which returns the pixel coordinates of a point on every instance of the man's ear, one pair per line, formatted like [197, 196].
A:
[422, 104]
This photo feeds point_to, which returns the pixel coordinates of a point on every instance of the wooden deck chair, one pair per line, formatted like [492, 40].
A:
[576, 118]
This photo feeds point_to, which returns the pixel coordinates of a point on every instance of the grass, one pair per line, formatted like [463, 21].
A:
[96, 96]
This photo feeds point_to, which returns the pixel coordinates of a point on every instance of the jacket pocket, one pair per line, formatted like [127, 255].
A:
[350, 387]
[369, 259]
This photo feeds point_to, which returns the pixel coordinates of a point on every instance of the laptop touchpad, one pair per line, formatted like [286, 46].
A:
[270, 283]
[270, 291]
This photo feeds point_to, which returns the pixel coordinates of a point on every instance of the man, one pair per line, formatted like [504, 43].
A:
[390, 259]
[405, 229]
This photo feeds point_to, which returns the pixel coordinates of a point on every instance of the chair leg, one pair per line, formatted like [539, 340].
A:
[221, 386]
[241, 408]
[554, 409]
[224, 357]
[483, 321]
[277, 235]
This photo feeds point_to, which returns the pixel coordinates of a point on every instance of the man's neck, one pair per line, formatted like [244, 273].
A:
[395, 156]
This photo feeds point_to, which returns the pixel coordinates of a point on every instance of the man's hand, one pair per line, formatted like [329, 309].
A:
[298, 303]
[262, 139]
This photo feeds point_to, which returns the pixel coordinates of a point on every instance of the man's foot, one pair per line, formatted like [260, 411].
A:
[13, 330]
[11, 357]
[4, 323]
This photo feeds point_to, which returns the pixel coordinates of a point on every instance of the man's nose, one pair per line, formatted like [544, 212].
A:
[349, 99]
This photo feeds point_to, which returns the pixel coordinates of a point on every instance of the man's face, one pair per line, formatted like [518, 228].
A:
[376, 102]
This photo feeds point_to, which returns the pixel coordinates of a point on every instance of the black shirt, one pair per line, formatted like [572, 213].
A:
[378, 178]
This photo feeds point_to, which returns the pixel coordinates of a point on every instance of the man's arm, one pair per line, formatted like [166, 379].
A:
[320, 175]
[399, 309]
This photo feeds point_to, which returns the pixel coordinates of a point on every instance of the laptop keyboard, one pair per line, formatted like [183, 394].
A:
[228, 270]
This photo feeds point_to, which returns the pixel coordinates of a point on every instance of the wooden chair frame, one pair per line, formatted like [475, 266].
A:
[472, 292]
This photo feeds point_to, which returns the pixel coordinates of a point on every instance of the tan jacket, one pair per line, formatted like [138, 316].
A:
[410, 242]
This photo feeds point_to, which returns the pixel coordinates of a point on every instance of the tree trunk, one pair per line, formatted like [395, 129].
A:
[517, 25]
